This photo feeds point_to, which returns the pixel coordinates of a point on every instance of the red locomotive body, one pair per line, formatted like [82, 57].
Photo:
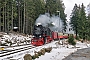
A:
[41, 35]
[37, 41]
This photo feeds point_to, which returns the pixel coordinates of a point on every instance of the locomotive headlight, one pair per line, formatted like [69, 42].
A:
[40, 36]
[33, 36]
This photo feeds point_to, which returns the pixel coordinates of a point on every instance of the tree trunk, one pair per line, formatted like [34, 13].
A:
[0, 19]
[76, 31]
[12, 16]
[83, 35]
[8, 20]
[19, 15]
[3, 20]
[26, 22]
[21, 21]
[31, 28]
[24, 19]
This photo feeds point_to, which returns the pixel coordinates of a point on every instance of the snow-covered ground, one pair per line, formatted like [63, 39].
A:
[14, 39]
[61, 51]
[58, 51]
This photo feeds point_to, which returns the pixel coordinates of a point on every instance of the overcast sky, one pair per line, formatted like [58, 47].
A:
[69, 4]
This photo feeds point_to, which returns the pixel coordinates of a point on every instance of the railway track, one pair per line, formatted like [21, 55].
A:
[7, 54]
[15, 50]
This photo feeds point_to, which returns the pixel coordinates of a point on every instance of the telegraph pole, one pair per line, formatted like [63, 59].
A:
[59, 21]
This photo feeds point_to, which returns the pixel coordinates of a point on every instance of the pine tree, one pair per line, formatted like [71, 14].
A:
[79, 21]
[75, 18]
[82, 21]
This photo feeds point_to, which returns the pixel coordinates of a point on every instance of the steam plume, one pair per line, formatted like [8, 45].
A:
[47, 20]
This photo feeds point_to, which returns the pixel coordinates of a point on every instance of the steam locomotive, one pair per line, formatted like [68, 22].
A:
[43, 35]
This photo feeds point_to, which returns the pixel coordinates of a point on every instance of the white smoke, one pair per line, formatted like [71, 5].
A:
[57, 22]
[43, 19]
[46, 19]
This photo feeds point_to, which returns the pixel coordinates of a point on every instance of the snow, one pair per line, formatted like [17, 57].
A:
[58, 51]
[62, 51]
[56, 54]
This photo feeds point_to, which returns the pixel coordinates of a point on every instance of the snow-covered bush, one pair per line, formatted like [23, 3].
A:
[71, 40]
